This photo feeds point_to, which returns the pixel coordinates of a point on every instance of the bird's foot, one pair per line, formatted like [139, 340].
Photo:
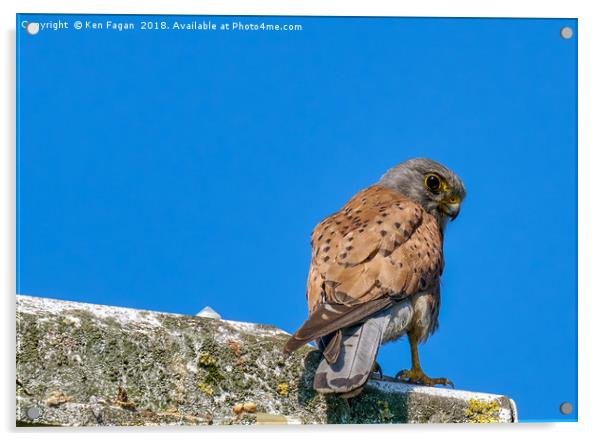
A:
[377, 371]
[416, 376]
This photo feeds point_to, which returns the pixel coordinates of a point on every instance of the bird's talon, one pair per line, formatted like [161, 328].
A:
[402, 375]
[441, 382]
[377, 370]
[418, 377]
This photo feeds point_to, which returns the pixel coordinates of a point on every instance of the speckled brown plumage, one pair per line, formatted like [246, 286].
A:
[379, 248]
[374, 274]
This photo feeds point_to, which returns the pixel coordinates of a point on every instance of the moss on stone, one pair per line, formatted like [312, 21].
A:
[207, 389]
[184, 370]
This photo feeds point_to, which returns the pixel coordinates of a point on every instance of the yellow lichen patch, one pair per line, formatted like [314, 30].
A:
[206, 389]
[206, 359]
[212, 376]
[282, 389]
[479, 411]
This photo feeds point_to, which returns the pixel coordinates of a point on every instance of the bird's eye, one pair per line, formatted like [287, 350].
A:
[433, 183]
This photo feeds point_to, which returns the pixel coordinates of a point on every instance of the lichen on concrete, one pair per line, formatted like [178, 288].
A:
[95, 365]
[481, 411]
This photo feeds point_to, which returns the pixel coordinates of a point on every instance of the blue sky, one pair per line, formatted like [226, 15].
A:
[172, 170]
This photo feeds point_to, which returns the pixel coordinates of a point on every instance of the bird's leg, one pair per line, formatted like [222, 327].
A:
[415, 375]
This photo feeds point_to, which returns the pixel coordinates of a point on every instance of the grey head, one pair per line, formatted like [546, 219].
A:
[435, 187]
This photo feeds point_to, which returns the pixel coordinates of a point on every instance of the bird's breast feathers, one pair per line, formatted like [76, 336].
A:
[378, 250]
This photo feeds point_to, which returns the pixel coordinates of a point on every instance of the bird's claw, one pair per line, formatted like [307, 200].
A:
[377, 370]
[418, 377]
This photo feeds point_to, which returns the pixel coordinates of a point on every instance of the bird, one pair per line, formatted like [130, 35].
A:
[375, 275]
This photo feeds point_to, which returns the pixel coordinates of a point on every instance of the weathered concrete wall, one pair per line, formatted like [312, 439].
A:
[81, 364]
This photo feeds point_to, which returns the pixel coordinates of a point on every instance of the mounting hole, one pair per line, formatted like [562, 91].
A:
[566, 408]
[566, 32]
[34, 412]
[32, 28]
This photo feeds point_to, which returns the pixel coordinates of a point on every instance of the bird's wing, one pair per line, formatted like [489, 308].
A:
[380, 247]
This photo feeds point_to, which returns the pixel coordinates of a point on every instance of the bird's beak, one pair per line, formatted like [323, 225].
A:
[452, 210]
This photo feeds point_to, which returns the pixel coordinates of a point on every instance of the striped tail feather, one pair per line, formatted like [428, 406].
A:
[358, 350]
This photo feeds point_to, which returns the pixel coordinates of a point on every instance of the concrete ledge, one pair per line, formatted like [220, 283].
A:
[91, 365]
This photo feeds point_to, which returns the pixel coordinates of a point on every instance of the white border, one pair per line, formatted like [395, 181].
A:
[590, 144]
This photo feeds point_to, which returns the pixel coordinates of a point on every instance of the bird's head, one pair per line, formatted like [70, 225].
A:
[435, 187]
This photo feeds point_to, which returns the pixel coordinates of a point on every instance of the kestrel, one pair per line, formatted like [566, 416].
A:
[375, 274]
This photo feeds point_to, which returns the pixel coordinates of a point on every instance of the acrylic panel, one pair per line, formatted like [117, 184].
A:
[171, 170]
